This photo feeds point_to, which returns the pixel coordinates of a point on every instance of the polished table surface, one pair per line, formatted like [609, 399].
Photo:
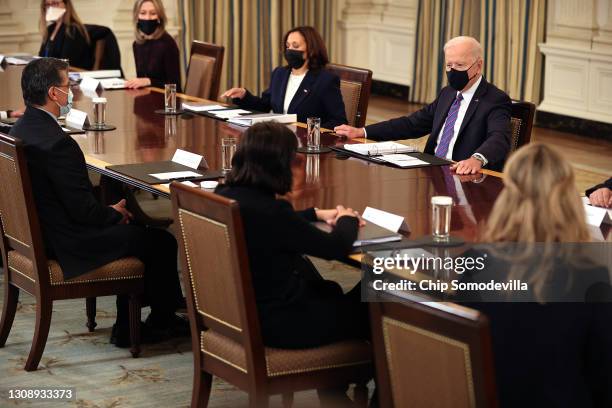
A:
[319, 180]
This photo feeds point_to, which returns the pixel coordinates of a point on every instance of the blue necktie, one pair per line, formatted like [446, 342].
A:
[449, 127]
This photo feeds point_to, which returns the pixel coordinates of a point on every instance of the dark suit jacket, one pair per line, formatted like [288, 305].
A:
[555, 354]
[77, 230]
[607, 183]
[296, 307]
[485, 128]
[318, 95]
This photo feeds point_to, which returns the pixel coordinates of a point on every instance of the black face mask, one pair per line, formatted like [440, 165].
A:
[458, 79]
[148, 26]
[294, 58]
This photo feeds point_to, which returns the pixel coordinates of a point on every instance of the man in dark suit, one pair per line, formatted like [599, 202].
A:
[601, 194]
[78, 231]
[469, 122]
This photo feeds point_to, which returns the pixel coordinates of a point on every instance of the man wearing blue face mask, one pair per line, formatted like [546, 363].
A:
[78, 231]
[469, 122]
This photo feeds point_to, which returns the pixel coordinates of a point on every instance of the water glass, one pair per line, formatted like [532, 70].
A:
[441, 217]
[228, 148]
[99, 111]
[313, 139]
[170, 98]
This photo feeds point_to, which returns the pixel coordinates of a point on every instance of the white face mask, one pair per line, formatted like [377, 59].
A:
[54, 14]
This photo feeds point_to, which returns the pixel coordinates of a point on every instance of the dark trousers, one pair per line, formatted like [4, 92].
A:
[157, 249]
[318, 313]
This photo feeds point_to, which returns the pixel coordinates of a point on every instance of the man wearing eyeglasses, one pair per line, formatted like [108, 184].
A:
[468, 123]
[78, 231]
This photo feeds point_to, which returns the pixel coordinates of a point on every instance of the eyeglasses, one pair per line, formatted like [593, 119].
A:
[53, 3]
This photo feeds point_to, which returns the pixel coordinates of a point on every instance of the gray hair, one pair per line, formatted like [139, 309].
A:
[475, 47]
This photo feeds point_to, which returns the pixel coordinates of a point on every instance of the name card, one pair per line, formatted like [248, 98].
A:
[89, 84]
[188, 159]
[76, 119]
[596, 216]
[385, 219]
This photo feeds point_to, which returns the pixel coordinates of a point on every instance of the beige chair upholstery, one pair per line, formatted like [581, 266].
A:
[351, 94]
[199, 81]
[124, 268]
[282, 361]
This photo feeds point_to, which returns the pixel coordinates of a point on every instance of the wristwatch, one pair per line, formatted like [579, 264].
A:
[480, 158]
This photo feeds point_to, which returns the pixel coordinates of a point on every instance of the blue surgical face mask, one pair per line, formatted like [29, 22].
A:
[66, 108]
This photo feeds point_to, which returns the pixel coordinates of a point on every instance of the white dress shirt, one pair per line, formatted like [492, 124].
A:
[292, 86]
[467, 98]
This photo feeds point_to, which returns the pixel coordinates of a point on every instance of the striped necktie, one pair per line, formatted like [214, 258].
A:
[449, 127]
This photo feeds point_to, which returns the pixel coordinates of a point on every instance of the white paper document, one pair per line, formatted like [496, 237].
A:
[197, 107]
[1, 58]
[376, 149]
[173, 175]
[113, 83]
[107, 73]
[16, 61]
[402, 160]
[187, 158]
[229, 113]
[76, 119]
[596, 215]
[249, 120]
[384, 219]
[89, 84]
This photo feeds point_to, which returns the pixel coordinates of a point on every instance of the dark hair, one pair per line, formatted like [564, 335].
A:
[316, 50]
[263, 158]
[40, 75]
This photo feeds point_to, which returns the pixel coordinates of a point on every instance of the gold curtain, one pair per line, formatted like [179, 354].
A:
[251, 32]
[509, 31]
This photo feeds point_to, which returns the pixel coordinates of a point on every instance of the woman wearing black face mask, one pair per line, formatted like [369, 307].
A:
[303, 86]
[155, 51]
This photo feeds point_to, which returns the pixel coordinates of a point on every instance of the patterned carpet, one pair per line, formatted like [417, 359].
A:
[104, 376]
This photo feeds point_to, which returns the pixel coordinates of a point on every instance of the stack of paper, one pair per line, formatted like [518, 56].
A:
[402, 160]
[249, 120]
[377, 149]
[106, 73]
[113, 83]
[201, 107]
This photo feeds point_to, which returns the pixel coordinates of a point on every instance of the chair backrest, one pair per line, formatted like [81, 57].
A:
[19, 225]
[215, 269]
[204, 71]
[106, 50]
[431, 354]
[355, 85]
[521, 122]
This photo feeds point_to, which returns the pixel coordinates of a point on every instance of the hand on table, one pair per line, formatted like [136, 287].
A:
[234, 93]
[341, 211]
[602, 197]
[468, 166]
[17, 113]
[135, 83]
[349, 131]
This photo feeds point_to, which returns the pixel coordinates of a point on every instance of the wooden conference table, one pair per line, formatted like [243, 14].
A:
[322, 181]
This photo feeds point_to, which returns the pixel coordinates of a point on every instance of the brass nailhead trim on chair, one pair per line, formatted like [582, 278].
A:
[317, 368]
[195, 295]
[220, 358]
[452, 342]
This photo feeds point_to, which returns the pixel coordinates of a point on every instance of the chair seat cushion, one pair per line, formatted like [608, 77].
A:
[124, 268]
[283, 361]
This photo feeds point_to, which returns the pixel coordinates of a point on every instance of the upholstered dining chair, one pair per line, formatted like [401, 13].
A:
[355, 85]
[27, 267]
[204, 71]
[225, 330]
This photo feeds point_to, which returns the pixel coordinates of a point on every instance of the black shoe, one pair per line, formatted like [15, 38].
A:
[120, 337]
[177, 326]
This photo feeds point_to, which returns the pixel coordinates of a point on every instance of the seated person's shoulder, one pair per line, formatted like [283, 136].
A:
[497, 95]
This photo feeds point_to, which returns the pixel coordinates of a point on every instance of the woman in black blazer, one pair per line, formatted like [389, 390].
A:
[297, 307]
[303, 86]
[64, 35]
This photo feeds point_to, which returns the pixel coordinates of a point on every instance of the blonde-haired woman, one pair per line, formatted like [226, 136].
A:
[155, 51]
[64, 35]
[552, 343]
